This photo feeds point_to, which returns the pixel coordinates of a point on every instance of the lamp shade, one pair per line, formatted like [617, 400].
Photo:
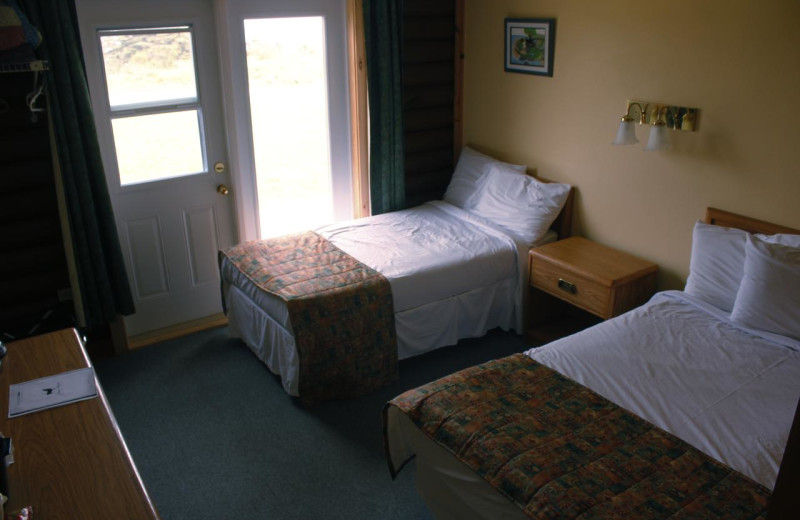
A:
[626, 132]
[658, 139]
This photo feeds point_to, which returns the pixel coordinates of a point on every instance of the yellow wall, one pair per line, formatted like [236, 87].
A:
[738, 61]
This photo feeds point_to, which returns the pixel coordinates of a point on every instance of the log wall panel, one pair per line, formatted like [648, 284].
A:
[428, 97]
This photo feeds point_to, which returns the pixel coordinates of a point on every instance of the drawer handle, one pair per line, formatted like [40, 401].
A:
[567, 286]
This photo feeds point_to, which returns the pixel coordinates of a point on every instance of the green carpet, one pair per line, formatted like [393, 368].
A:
[214, 435]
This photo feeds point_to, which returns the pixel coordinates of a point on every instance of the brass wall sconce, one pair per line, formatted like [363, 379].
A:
[660, 117]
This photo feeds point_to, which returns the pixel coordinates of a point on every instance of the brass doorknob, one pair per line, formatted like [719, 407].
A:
[222, 189]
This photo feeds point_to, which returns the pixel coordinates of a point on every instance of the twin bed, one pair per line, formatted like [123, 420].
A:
[680, 408]
[455, 268]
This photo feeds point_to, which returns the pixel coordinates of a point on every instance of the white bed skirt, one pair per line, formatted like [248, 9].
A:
[421, 329]
[450, 488]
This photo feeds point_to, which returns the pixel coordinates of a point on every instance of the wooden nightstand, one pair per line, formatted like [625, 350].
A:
[598, 279]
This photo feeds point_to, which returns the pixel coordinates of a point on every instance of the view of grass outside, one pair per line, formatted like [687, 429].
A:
[289, 114]
[152, 69]
[149, 67]
[159, 146]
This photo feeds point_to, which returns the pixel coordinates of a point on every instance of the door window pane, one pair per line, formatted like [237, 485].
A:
[287, 86]
[155, 111]
[148, 67]
[157, 146]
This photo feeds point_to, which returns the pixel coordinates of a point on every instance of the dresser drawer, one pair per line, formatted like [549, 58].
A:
[571, 287]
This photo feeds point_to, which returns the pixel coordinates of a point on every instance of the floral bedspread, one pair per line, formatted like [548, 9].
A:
[340, 309]
[559, 451]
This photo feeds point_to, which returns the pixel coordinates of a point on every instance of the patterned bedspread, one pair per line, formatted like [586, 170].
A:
[559, 451]
[340, 309]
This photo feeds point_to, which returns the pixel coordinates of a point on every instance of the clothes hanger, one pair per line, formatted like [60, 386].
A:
[35, 94]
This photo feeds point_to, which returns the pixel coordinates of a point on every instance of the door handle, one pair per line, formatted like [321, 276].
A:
[223, 190]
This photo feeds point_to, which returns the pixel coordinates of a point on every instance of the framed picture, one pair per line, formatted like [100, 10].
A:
[530, 45]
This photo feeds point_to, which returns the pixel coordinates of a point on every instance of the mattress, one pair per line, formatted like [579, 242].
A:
[453, 276]
[681, 364]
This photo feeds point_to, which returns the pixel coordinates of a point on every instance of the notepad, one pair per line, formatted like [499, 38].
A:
[51, 391]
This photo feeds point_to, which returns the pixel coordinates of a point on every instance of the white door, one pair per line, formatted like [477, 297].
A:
[285, 80]
[155, 84]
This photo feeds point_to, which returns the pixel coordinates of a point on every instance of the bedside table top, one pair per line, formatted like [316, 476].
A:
[594, 261]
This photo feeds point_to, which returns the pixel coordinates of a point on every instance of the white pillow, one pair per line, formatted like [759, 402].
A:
[469, 169]
[717, 262]
[517, 202]
[769, 295]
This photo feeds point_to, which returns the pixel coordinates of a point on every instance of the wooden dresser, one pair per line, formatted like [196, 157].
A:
[71, 461]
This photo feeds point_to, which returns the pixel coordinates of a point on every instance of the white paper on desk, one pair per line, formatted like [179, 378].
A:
[51, 391]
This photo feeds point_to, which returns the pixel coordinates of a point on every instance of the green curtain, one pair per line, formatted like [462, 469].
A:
[383, 28]
[104, 287]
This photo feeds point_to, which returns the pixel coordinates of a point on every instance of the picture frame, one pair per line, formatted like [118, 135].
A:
[530, 45]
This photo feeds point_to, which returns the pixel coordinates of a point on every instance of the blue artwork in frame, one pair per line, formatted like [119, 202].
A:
[530, 45]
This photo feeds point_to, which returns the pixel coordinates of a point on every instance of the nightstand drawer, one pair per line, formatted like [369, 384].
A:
[571, 287]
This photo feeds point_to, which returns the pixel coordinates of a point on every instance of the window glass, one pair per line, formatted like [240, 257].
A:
[157, 146]
[147, 67]
[287, 88]
[155, 111]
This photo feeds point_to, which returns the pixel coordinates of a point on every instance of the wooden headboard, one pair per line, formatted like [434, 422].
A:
[563, 223]
[720, 217]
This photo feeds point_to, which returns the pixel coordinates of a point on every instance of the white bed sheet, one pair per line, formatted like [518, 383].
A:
[429, 252]
[453, 276]
[676, 361]
[682, 365]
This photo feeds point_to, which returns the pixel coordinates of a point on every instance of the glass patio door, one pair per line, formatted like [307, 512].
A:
[288, 91]
[287, 88]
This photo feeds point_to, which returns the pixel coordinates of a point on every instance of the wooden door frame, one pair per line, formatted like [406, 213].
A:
[359, 138]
